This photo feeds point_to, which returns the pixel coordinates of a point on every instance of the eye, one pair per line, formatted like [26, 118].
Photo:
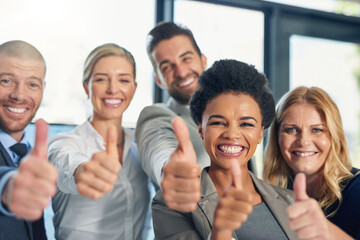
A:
[34, 85]
[187, 59]
[124, 80]
[99, 80]
[317, 130]
[290, 130]
[6, 82]
[217, 123]
[165, 67]
[246, 124]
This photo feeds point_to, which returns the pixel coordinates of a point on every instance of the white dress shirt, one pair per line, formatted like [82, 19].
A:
[119, 214]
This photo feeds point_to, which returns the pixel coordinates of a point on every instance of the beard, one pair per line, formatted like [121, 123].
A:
[15, 125]
[183, 97]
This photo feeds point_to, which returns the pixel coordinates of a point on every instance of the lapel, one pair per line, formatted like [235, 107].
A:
[5, 159]
[276, 203]
[209, 199]
[207, 203]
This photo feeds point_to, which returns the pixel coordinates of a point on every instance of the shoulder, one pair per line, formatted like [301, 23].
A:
[156, 111]
[352, 189]
[285, 193]
[272, 190]
[73, 137]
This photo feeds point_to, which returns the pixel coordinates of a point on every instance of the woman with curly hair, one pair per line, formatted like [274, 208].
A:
[232, 107]
[307, 137]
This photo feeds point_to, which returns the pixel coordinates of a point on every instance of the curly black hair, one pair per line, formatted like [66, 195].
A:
[233, 76]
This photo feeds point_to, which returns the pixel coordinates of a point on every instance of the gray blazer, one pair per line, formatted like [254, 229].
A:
[156, 139]
[170, 224]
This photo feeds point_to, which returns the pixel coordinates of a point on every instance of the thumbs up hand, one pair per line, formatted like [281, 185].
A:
[98, 176]
[306, 216]
[181, 184]
[233, 208]
[28, 192]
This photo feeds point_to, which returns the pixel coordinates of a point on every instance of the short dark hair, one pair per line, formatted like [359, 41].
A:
[233, 76]
[167, 30]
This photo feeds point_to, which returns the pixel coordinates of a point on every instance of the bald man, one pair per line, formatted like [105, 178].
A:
[25, 186]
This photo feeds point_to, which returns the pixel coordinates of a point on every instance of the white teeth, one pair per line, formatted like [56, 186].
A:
[230, 149]
[112, 101]
[16, 110]
[188, 82]
[304, 154]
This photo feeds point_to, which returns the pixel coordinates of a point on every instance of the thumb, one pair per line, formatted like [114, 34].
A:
[236, 174]
[41, 134]
[182, 134]
[300, 187]
[111, 142]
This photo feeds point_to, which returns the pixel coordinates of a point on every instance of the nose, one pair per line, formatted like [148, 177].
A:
[180, 70]
[304, 138]
[232, 132]
[112, 86]
[19, 92]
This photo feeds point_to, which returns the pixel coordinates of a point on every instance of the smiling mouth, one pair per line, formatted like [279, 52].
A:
[16, 109]
[113, 101]
[304, 154]
[186, 83]
[230, 149]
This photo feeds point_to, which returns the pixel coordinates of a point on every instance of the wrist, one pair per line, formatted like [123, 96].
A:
[220, 234]
[78, 171]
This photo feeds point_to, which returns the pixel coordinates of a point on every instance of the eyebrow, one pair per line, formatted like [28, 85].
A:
[9, 74]
[120, 74]
[182, 55]
[242, 118]
[12, 75]
[313, 125]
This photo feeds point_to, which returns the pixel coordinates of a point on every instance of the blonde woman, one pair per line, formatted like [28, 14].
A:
[307, 137]
[102, 189]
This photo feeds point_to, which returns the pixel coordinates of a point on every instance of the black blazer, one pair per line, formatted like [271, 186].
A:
[11, 227]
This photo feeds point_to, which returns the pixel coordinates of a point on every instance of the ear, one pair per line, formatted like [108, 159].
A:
[200, 131]
[261, 134]
[158, 82]
[204, 60]
[86, 87]
[134, 90]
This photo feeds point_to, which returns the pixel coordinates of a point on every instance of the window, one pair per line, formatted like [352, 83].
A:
[330, 65]
[226, 32]
[65, 32]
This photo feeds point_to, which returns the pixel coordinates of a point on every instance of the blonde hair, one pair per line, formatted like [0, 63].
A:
[106, 50]
[337, 166]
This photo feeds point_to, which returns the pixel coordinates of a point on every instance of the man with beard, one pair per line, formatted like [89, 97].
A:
[25, 188]
[178, 63]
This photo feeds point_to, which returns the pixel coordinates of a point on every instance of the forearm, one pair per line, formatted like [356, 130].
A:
[156, 147]
[337, 232]
[66, 162]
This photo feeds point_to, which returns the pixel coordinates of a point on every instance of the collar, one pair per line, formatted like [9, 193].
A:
[7, 141]
[178, 108]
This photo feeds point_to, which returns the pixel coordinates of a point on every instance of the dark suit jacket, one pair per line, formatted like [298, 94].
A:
[171, 224]
[11, 227]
